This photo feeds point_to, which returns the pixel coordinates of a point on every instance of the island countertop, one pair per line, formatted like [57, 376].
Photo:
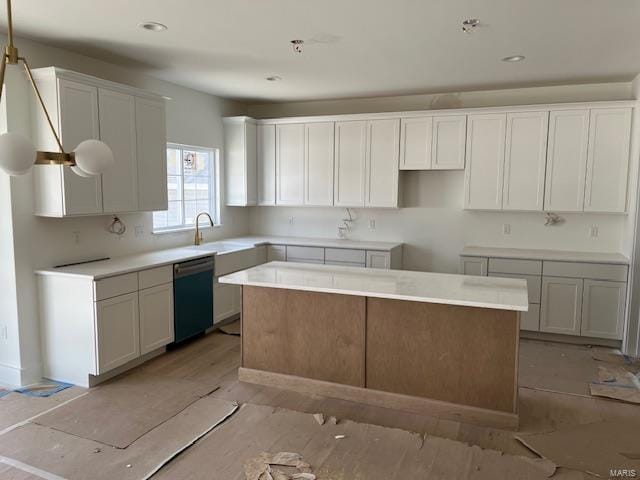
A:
[441, 288]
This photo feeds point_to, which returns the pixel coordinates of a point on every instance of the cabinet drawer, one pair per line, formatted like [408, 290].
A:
[345, 255]
[155, 276]
[233, 261]
[276, 253]
[533, 284]
[531, 320]
[114, 286]
[595, 271]
[508, 265]
[303, 254]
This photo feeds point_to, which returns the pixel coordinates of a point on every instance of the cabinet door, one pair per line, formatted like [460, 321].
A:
[484, 171]
[117, 331]
[603, 306]
[383, 143]
[276, 253]
[78, 106]
[251, 160]
[474, 266]
[608, 160]
[561, 305]
[225, 301]
[151, 135]
[290, 164]
[156, 317]
[415, 143]
[350, 163]
[530, 320]
[525, 160]
[566, 160]
[118, 130]
[378, 260]
[448, 146]
[266, 158]
[318, 164]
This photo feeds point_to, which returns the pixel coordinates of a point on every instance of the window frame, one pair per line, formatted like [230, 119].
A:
[214, 189]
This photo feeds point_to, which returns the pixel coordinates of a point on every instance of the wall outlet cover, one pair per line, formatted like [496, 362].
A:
[372, 224]
[506, 229]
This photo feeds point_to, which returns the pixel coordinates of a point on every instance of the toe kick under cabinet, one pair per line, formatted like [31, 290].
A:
[568, 298]
[91, 328]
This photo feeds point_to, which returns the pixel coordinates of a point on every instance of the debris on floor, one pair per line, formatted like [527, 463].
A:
[617, 358]
[617, 382]
[4, 391]
[319, 418]
[260, 467]
[232, 328]
[45, 389]
[575, 448]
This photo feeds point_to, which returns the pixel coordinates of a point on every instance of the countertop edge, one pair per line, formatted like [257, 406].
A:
[390, 296]
[551, 255]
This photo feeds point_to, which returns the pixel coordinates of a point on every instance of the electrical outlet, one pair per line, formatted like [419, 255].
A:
[4, 332]
[292, 220]
[139, 231]
[76, 237]
[372, 224]
[593, 231]
[506, 229]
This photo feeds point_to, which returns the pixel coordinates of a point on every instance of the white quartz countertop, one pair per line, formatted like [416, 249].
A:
[133, 263]
[448, 289]
[318, 242]
[539, 254]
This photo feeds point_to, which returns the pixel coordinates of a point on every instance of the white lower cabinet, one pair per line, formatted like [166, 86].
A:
[530, 320]
[117, 330]
[227, 301]
[603, 306]
[156, 317]
[561, 305]
[378, 259]
[473, 266]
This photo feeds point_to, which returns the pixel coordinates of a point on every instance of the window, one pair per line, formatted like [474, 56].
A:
[192, 187]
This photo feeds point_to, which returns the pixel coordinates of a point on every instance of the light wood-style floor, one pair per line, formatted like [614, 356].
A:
[553, 393]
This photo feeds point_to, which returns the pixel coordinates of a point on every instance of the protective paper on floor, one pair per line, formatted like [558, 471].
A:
[616, 381]
[119, 412]
[231, 329]
[366, 451]
[595, 448]
[75, 458]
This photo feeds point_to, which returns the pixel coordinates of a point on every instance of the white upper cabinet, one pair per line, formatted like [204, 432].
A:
[415, 143]
[290, 157]
[433, 143]
[266, 164]
[525, 159]
[484, 169]
[381, 183]
[318, 164]
[152, 154]
[350, 163]
[566, 160]
[129, 120]
[608, 160]
[240, 137]
[448, 143]
[118, 130]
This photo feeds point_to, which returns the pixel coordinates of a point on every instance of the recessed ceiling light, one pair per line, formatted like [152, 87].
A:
[273, 78]
[153, 26]
[514, 58]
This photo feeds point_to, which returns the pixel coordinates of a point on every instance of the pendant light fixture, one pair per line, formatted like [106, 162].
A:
[17, 153]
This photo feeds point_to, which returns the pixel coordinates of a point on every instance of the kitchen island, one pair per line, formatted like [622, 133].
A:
[435, 344]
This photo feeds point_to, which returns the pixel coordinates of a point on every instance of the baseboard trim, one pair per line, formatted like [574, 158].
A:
[407, 403]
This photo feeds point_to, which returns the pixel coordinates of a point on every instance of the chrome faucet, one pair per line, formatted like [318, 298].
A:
[198, 239]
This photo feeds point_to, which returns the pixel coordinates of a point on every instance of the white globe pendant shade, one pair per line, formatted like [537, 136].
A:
[93, 157]
[17, 153]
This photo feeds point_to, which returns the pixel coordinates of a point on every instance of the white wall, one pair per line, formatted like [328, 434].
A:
[193, 118]
[432, 223]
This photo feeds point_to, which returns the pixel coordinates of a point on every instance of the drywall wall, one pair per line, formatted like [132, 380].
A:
[433, 224]
[193, 118]
[632, 239]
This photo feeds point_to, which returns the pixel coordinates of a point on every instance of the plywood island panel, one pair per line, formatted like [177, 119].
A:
[455, 354]
[307, 334]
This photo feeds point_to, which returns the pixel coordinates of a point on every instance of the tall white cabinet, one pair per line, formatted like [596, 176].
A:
[84, 107]
[290, 157]
[266, 164]
[240, 137]
[318, 163]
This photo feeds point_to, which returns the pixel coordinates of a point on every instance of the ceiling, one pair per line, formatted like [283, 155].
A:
[353, 48]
